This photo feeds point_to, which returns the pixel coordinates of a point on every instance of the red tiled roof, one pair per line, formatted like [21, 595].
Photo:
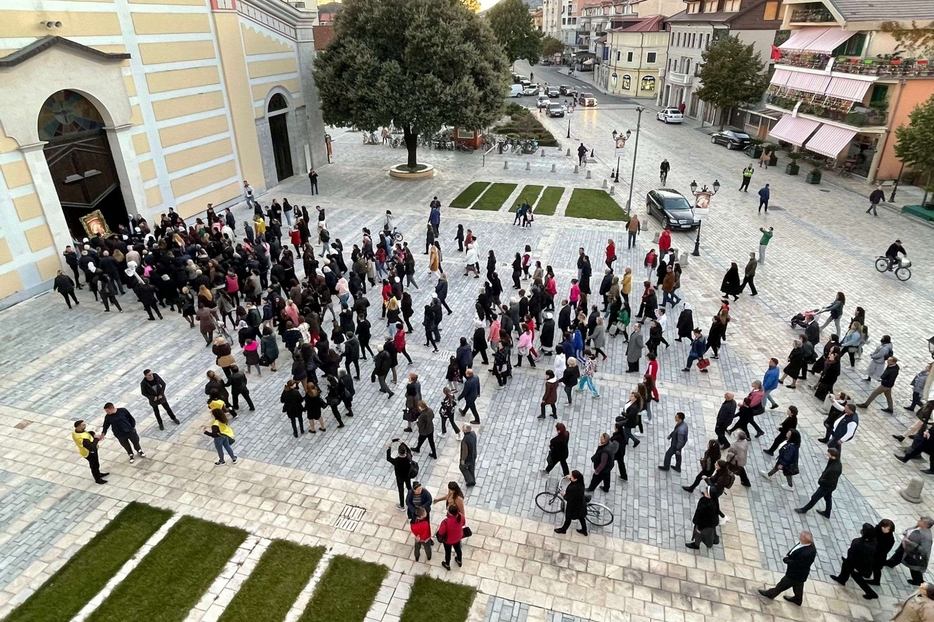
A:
[323, 36]
[651, 24]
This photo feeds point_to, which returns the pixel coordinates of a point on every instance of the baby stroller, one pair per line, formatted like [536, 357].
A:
[804, 318]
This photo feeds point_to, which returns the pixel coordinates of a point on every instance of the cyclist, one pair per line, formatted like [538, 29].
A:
[892, 253]
[663, 169]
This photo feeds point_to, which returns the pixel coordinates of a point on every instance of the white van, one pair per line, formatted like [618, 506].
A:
[515, 90]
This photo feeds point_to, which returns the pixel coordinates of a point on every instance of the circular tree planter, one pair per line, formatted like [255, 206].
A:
[402, 171]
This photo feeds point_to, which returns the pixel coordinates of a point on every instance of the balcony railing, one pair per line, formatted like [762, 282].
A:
[815, 15]
[681, 79]
[917, 68]
[808, 60]
[857, 116]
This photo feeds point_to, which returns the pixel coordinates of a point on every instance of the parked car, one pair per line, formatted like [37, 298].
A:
[543, 101]
[553, 91]
[564, 89]
[546, 62]
[515, 90]
[586, 99]
[732, 140]
[671, 208]
[531, 89]
[670, 115]
[556, 110]
[518, 78]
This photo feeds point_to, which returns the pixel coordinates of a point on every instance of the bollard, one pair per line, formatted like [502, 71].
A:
[655, 239]
[505, 163]
[576, 168]
[684, 260]
[588, 173]
[552, 168]
[605, 184]
[528, 166]
[912, 493]
[568, 153]
[612, 191]
[543, 153]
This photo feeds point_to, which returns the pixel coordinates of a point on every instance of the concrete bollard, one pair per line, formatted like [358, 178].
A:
[528, 166]
[568, 153]
[684, 258]
[655, 239]
[612, 191]
[912, 492]
[543, 153]
[605, 184]
[553, 168]
[588, 174]
[505, 163]
[576, 169]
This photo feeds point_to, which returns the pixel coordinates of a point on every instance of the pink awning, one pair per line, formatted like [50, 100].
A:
[794, 130]
[824, 40]
[808, 82]
[780, 77]
[848, 88]
[830, 140]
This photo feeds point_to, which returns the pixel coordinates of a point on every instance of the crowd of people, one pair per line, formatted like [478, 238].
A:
[255, 292]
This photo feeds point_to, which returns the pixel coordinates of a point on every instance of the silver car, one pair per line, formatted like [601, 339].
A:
[556, 110]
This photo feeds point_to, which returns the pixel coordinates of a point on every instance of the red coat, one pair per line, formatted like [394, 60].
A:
[398, 340]
[451, 529]
[610, 252]
[664, 241]
[421, 529]
[296, 237]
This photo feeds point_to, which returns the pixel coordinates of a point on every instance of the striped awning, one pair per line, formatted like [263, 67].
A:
[830, 140]
[848, 88]
[794, 130]
[823, 40]
[780, 77]
[808, 82]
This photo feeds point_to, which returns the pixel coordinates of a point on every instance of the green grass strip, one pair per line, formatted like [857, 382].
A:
[470, 194]
[494, 197]
[437, 601]
[345, 592]
[548, 202]
[87, 572]
[281, 574]
[586, 203]
[171, 579]
[528, 194]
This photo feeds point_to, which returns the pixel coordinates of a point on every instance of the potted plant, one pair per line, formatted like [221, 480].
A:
[814, 176]
[792, 167]
[754, 150]
[772, 150]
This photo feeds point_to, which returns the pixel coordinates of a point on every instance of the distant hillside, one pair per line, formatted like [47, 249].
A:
[329, 7]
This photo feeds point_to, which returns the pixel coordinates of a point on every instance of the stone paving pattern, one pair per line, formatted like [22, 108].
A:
[62, 365]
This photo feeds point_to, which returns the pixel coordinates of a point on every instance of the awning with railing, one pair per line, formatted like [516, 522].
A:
[794, 130]
[808, 82]
[824, 40]
[848, 88]
[830, 140]
[780, 77]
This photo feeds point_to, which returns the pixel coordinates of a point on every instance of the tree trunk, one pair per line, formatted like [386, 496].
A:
[411, 145]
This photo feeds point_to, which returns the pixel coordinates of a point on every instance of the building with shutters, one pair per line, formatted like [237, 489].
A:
[126, 107]
[842, 85]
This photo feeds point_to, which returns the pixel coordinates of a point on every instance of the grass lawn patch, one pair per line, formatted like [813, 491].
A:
[345, 592]
[61, 597]
[548, 203]
[586, 203]
[494, 197]
[528, 194]
[275, 583]
[438, 601]
[470, 194]
[168, 582]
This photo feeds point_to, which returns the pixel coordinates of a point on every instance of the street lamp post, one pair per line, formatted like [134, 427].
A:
[616, 137]
[696, 192]
[569, 126]
[635, 154]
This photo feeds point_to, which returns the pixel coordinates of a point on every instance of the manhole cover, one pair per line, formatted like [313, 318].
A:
[350, 517]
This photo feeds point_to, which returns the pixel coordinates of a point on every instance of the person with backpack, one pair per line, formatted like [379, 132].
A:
[403, 468]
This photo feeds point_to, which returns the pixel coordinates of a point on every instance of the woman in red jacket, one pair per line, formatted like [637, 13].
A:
[610, 253]
[398, 340]
[450, 534]
[421, 529]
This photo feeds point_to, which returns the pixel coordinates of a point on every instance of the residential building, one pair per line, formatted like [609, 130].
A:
[842, 85]
[695, 28]
[537, 18]
[633, 58]
[128, 108]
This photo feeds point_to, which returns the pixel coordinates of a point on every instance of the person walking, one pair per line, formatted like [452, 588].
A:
[875, 197]
[770, 383]
[634, 349]
[737, 455]
[790, 423]
[698, 348]
[826, 485]
[152, 387]
[886, 382]
[468, 456]
[706, 518]
[787, 461]
[558, 450]
[570, 377]
[747, 177]
[749, 275]
[313, 180]
[707, 464]
[450, 533]
[632, 230]
[87, 441]
[835, 312]
[293, 406]
[914, 551]
[402, 466]
[678, 438]
[919, 607]
[620, 437]
[879, 359]
[382, 365]
[426, 429]
[917, 387]
[421, 529]
[223, 436]
[725, 417]
[124, 426]
[765, 159]
[575, 503]
[469, 394]
[587, 374]
[798, 561]
[581, 154]
[550, 398]
[602, 461]
[764, 195]
[66, 287]
[764, 242]
[859, 561]
[238, 387]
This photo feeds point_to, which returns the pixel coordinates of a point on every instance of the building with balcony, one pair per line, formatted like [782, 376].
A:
[843, 86]
[633, 58]
[693, 30]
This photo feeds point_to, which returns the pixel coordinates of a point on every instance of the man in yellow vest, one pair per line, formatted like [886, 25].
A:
[87, 447]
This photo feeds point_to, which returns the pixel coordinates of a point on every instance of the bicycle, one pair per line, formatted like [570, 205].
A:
[552, 502]
[663, 177]
[902, 270]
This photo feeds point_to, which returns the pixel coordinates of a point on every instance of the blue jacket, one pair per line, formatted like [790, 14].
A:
[698, 347]
[764, 194]
[770, 380]
[435, 217]
[788, 456]
[471, 390]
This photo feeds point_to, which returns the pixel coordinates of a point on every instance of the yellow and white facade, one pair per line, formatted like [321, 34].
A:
[190, 97]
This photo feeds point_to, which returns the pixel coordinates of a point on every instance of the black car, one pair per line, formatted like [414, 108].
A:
[565, 89]
[671, 208]
[732, 140]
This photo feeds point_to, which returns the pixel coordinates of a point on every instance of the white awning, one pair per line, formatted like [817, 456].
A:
[830, 140]
[824, 40]
[794, 130]
[780, 77]
[808, 82]
[848, 88]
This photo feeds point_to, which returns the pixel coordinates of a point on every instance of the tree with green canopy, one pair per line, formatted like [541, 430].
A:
[513, 26]
[732, 75]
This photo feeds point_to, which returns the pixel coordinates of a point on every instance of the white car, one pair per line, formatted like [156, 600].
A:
[543, 101]
[531, 89]
[670, 115]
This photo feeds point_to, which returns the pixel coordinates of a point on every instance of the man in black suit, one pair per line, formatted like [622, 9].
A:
[826, 484]
[799, 560]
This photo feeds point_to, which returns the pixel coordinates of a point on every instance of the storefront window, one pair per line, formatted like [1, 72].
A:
[648, 83]
[627, 82]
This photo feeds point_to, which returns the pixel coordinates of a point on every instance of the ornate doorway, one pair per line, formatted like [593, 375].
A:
[278, 112]
[80, 161]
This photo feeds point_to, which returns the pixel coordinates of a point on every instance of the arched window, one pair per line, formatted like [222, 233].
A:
[276, 103]
[627, 82]
[648, 83]
[67, 112]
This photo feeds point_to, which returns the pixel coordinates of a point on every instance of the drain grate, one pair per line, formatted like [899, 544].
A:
[350, 517]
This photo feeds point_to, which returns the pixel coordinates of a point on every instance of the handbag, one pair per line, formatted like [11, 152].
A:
[441, 537]
[264, 361]
[468, 532]
[703, 363]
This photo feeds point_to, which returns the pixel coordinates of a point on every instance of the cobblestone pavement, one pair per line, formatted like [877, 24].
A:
[60, 365]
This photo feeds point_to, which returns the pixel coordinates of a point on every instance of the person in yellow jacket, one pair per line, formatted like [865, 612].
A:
[223, 436]
[86, 442]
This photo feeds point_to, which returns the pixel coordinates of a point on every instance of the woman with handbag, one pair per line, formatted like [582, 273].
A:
[707, 464]
[787, 461]
[455, 497]
[450, 534]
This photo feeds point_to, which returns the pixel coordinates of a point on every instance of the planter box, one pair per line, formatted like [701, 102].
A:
[791, 169]
[753, 151]
[773, 159]
[813, 177]
[919, 211]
